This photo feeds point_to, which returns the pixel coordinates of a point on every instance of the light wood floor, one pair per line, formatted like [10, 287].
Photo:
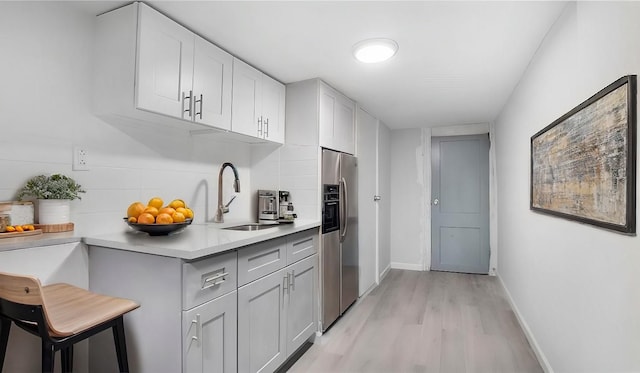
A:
[425, 322]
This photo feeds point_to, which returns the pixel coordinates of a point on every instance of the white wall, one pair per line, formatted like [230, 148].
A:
[575, 287]
[45, 109]
[407, 199]
[384, 205]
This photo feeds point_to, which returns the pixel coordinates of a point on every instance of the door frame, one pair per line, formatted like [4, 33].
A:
[462, 130]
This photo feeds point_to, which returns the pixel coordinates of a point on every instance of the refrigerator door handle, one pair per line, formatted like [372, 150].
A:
[344, 210]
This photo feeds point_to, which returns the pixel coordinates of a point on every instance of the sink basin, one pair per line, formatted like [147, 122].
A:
[251, 227]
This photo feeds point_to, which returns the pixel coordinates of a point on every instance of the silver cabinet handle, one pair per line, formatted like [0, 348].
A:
[184, 98]
[266, 133]
[194, 107]
[293, 280]
[260, 126]
[436, 201]
[198, 329]
[285, 284]
[213, 280]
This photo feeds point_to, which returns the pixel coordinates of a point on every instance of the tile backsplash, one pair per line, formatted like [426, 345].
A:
[45, 110]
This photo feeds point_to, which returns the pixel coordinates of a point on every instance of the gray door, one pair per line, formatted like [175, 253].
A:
[460, 204]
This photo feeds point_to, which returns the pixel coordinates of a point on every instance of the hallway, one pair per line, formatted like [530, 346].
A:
[425, 322]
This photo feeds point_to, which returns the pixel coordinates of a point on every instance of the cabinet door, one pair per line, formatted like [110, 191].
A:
[326, 117]
[165, 65]
[261, 324]
[246, 105]
[209, 336]
[301, 314]
[344, 125]
[273, 109]
[212, 74]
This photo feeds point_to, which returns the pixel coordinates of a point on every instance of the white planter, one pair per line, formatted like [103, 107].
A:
[54, 211]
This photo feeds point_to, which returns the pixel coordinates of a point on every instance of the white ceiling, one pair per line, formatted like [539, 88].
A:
[458, 62]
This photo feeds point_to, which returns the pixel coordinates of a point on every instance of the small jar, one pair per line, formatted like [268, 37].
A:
[5, 220]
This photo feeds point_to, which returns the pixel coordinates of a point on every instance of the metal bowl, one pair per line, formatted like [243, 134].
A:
[159, 229]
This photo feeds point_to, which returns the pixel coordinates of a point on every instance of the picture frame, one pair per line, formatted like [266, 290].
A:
[583, 165]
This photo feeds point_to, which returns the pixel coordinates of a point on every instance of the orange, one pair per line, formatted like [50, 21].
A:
[19, 229]
[146, 218]
[11, 228]
[135, 209]
[156, 202]
[152, 210]
[164, 218]
[133, 220]
[188, 213]
[178, 217]
[177, 203]
[167, 210]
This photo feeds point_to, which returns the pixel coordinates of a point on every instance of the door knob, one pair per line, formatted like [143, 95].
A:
[377, 198]
[436, 201]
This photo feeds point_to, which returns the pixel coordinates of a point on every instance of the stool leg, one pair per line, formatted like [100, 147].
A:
[121, 346]
[48, 356]
[5, 327]
[67, 359]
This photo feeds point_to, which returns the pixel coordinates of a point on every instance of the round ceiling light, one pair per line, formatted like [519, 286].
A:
[375, 50]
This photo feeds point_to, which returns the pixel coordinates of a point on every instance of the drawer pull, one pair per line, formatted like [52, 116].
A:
[213, 280]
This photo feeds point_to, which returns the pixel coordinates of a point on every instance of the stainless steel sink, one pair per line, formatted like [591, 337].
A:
[251, 227]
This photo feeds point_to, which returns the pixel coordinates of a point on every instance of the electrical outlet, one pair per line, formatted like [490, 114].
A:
[80, 159]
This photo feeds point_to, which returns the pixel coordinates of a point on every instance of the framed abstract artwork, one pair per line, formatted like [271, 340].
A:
[583, 165]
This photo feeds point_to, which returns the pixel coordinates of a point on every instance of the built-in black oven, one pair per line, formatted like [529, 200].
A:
[331, 208]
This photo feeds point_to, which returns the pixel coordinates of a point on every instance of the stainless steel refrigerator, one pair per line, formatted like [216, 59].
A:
[339, 270]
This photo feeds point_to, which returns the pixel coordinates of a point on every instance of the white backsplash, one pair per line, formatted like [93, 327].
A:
[45, 110]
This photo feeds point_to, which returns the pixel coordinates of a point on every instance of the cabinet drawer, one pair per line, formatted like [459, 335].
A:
[261, 259]
[208, 278]
[302, 244]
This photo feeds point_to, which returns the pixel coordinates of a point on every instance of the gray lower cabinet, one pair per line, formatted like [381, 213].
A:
[261, 316]
[209, 343]
[276, 315]
[302, 306]
[245, 310]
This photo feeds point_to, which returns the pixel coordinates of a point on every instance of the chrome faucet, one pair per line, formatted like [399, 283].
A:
[223, 209]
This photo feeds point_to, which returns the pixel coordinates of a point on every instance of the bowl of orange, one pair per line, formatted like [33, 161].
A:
[156, 220]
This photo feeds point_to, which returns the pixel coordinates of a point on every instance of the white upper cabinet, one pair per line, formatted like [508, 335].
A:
[246, 107]
[273, 109]
[147, 64]
[212, 72]
[317, 114]
[336, 120]
[165, 64]
[258, 108]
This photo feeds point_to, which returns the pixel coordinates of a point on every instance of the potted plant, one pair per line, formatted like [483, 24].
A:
[53, 193]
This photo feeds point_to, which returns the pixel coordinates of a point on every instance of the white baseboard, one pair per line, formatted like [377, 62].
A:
[409, 266]
[527, 331]
[385, 272]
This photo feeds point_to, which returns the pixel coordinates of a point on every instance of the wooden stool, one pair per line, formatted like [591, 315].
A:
[61, 315]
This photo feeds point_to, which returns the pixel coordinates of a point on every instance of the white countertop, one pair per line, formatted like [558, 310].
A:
[196, 241]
